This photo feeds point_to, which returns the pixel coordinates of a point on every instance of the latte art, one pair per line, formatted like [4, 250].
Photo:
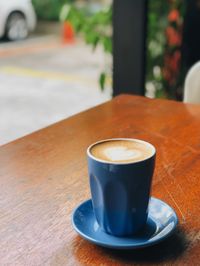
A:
[121, 150]
[121, 153]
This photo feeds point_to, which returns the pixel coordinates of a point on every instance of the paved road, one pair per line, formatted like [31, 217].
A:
[43, 81]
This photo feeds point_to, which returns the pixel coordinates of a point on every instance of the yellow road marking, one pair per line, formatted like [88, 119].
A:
[30, 49]
[28, 72]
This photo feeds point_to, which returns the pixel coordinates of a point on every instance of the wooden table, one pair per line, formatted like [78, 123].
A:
[44, 176]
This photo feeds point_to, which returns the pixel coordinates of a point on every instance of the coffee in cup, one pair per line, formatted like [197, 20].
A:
[120, 172]
[121, 151]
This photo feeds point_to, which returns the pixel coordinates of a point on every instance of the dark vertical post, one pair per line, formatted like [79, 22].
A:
[191, 36]
[129, 38]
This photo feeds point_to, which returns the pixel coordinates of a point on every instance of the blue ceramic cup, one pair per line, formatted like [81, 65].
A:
[121, 191]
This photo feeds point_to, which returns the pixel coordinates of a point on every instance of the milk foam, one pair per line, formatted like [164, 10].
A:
[120, 150]
[121, 153]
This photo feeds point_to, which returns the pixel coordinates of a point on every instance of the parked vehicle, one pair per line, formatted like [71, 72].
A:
[17, 19]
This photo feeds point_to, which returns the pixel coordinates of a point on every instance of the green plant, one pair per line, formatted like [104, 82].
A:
[157, 22]
[48, 9]
[95, 29]
[165, 20]
[163, 42]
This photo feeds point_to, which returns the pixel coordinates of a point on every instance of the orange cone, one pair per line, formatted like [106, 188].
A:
[68, 32]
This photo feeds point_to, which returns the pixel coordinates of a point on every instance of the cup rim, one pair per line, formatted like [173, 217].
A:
[121, 163]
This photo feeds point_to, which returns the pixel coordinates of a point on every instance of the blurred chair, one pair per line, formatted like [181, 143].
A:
[192, 85]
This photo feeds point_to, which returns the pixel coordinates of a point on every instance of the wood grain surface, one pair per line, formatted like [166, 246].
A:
[43, 177]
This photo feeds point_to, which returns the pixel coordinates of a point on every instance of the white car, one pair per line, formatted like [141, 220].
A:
[17, 19]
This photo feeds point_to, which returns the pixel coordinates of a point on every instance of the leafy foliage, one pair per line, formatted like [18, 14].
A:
[102, 79]
[48, 9]
[163, 77]
[165, 21]
[95, 29]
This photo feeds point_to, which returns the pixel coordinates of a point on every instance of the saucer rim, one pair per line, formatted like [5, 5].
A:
[130, 245]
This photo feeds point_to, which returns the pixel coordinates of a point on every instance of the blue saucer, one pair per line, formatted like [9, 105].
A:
[161, 222]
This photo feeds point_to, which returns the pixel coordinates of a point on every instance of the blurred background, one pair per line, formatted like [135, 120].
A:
[57, 57]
